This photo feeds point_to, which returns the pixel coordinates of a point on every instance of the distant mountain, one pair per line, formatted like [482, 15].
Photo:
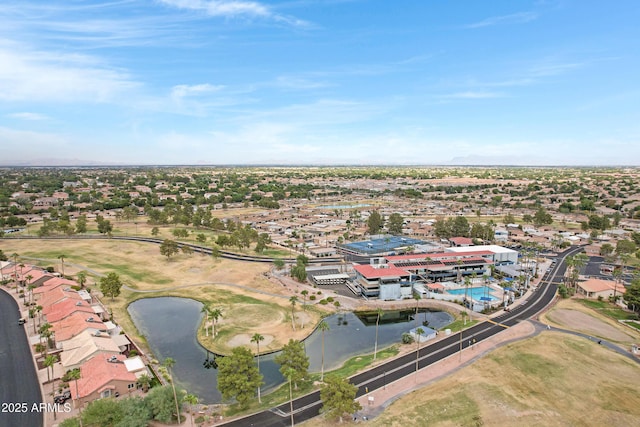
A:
[55, 162]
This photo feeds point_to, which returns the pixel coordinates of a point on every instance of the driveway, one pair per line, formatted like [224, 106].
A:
[19, 389]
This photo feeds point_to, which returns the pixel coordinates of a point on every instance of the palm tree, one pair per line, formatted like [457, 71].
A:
[45, 334]
[419, 332]
[256, 338]
[215, 314]
[323, 326]
[39, 311]
[30, 288]
[49, 361]
[293, 301]
[82, 278]
[415, 319]
[15, 269]
[289, 374]
[304, 299]
[379, 313]
[75, 375]
[145, 381]
[61, 258]
[205, 310]
[168, 363]
[192, 400]
[467, 282]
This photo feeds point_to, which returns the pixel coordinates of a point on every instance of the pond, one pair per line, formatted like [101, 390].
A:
[169, 325]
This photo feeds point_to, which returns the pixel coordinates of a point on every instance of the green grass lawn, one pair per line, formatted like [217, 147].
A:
[607, 309]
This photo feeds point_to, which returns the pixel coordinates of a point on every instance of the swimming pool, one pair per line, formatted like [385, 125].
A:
[475, 293]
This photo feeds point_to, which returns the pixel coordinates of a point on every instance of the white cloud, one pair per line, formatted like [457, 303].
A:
[516, 18]
[473, 95]
[234, 9]
[181, 91]
[41, 76]
[28, 116]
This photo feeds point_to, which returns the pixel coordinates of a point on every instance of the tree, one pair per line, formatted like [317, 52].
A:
[256, 338]
[338, 397]
[379, 313]
[215, 314]
[289, 374]
[81, 278]
[395, 223]
[74, 375]
[238, 377]
[293, 300]
[625, 247]
[103, 412]
[606, 249]
[215, 252]
[299, 272]
[632, 295]
[110, 285]
[460, 226]
[61, 258]
[162, 403]
[279, 264]
[374, 223]
[145, 381]
[542, 217]
[205, 310]
[304, 294]
[293, 356]
[509, 219]
[49, 361]
[323, 326]
[186, 249]
[168, 363]
[104, 225]
[169, 248]
[191, 400]
[155, 231]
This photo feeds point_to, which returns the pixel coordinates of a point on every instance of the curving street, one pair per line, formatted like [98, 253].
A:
[19, 390]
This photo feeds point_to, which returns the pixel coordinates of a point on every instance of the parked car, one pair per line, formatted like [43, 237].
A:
[61, 398]
[22, 321]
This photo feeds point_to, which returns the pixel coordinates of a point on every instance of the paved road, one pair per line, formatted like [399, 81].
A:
[308, 406]
[18, 379]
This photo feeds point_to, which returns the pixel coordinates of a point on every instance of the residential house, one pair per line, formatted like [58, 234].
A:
[103, 376]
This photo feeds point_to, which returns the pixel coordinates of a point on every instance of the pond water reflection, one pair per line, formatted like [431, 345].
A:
[169, 325]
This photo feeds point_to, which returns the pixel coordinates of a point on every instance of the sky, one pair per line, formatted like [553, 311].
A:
[296, 82]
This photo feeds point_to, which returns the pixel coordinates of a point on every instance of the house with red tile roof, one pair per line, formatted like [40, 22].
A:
[84, 346]
[103, 376]
[460, 241]
[53, 283]
[57, 295]
[62, 309]
[594, 288]
[76, 323]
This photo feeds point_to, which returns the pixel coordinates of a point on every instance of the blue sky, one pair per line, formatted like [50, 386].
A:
[320, 82]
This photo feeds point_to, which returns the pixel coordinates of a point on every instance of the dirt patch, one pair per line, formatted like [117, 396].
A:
[585, 323]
